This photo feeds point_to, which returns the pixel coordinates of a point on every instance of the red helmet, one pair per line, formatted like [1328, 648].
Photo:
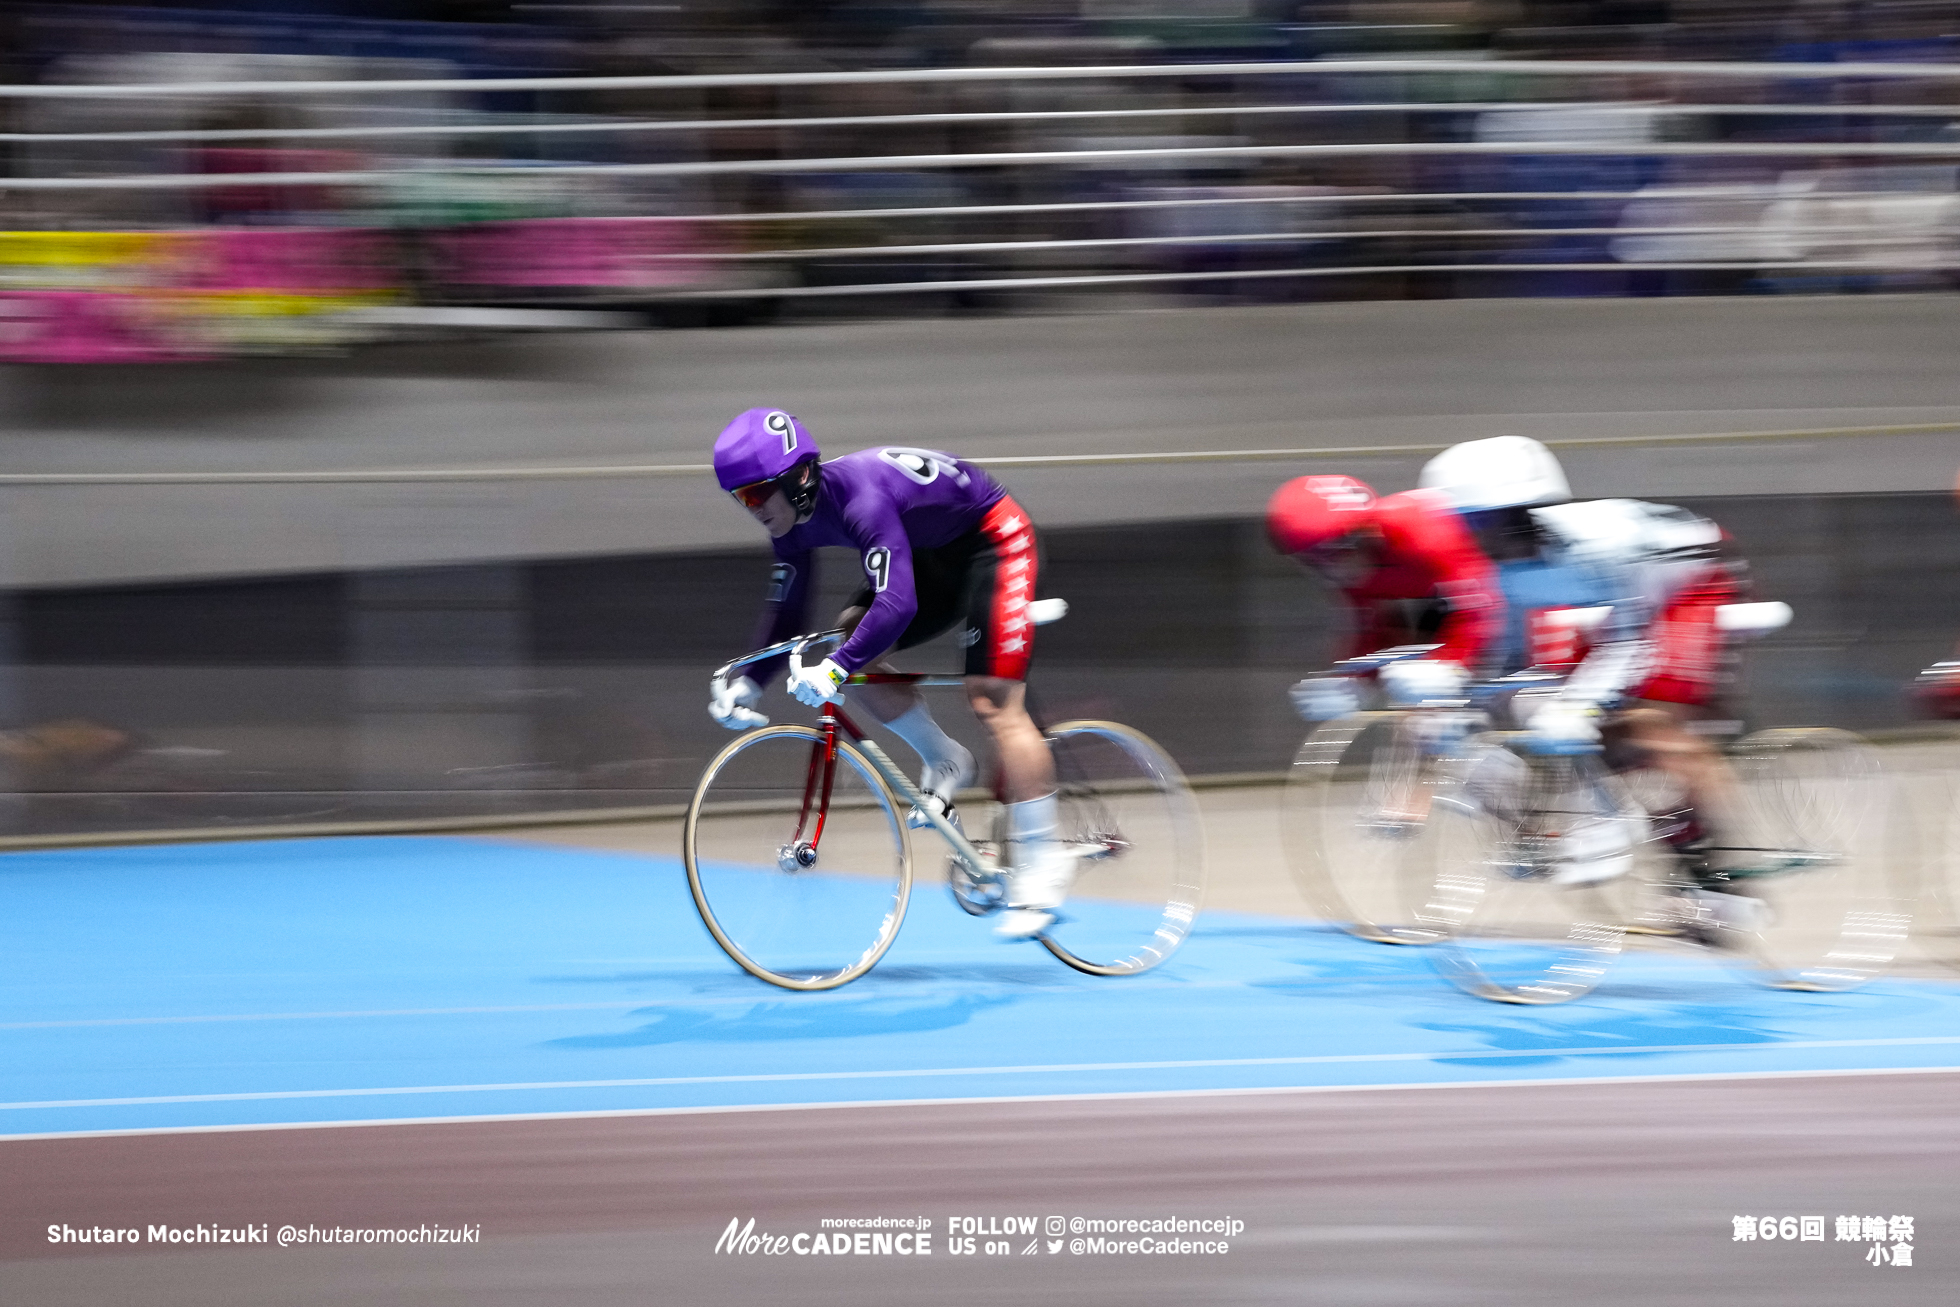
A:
[1309, 511]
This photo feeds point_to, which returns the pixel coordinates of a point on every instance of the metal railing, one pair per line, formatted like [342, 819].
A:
[978, 117]
[1403, 184]
[1685, 70]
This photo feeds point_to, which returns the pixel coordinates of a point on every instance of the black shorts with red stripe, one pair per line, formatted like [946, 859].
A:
[985, 580]
[1691, 660]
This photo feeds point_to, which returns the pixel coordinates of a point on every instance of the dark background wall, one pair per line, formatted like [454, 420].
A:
[582, 682]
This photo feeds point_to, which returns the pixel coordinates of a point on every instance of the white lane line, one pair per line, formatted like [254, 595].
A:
[1065, 1068]
[677, 1005]
[632, 1005]
[1661, 1078]
[324, 1016]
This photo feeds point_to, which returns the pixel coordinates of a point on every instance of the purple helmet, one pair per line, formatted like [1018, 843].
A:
[761, 445]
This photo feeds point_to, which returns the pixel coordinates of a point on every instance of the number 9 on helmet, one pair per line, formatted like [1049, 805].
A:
[764, 450]
[761, 445]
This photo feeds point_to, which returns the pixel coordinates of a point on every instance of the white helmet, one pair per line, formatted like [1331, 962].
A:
[1501, 472]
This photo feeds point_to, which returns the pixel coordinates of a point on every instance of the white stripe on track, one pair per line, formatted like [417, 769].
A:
[1065, 1068]
[1003, 1099]
[85, 1022]
[1063, 985]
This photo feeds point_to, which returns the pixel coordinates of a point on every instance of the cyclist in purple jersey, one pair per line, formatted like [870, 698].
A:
[939, 542]
[890, 500]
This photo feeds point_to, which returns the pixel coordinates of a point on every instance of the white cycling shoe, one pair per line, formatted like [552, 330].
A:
[1035, 889]
[1723, 919]
[1594, 850]
[939, 784]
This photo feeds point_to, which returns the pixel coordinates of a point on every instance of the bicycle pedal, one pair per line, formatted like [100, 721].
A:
[916, 819]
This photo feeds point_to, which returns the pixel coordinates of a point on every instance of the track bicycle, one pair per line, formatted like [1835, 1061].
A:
[1407, 829]
[1424, 826]
[1544, 864]
[798, 851]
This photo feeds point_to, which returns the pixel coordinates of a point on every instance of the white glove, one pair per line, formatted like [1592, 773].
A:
[1565, 726]
[1323, 698]
[818, 684]
[1417, 681]
[732, 703]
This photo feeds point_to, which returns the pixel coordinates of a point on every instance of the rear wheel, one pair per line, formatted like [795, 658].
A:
[1825, 848]
[1938, 796]
[1134, 824]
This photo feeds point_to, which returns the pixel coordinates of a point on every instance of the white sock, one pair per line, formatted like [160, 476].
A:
[1040, 871]
[1032, 821]
[940, 751]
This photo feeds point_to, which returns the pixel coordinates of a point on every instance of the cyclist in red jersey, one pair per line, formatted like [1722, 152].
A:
[1411, 574]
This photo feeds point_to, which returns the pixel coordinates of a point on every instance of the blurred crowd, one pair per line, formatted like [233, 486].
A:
[445, 208]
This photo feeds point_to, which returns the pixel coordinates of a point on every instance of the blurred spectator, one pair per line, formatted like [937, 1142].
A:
[653, 198]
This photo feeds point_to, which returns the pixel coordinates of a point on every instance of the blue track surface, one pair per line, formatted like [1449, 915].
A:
[382, 979]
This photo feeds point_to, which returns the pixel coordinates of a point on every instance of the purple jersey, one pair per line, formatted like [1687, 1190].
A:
[882, 503]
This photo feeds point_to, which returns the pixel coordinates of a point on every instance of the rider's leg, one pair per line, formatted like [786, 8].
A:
[999, 640]
[1690, 664]
[1027, 769]
[903, 710]
[1714, 796]
[1693, 763]
[1040, 865]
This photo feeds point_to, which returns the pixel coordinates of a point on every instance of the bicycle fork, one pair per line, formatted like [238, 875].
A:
[823, 758]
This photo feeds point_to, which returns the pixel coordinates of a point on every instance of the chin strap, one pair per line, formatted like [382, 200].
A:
[801, 485]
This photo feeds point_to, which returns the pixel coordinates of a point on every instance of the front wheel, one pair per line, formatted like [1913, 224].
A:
[1139, 841]
[1354, 821]
[1524, 845]
[797, 858]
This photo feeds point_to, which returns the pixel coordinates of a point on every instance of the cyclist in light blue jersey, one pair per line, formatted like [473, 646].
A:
[1559, 563]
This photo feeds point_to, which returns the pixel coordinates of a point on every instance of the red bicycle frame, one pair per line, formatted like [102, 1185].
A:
[823, 756]
[822, 772]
